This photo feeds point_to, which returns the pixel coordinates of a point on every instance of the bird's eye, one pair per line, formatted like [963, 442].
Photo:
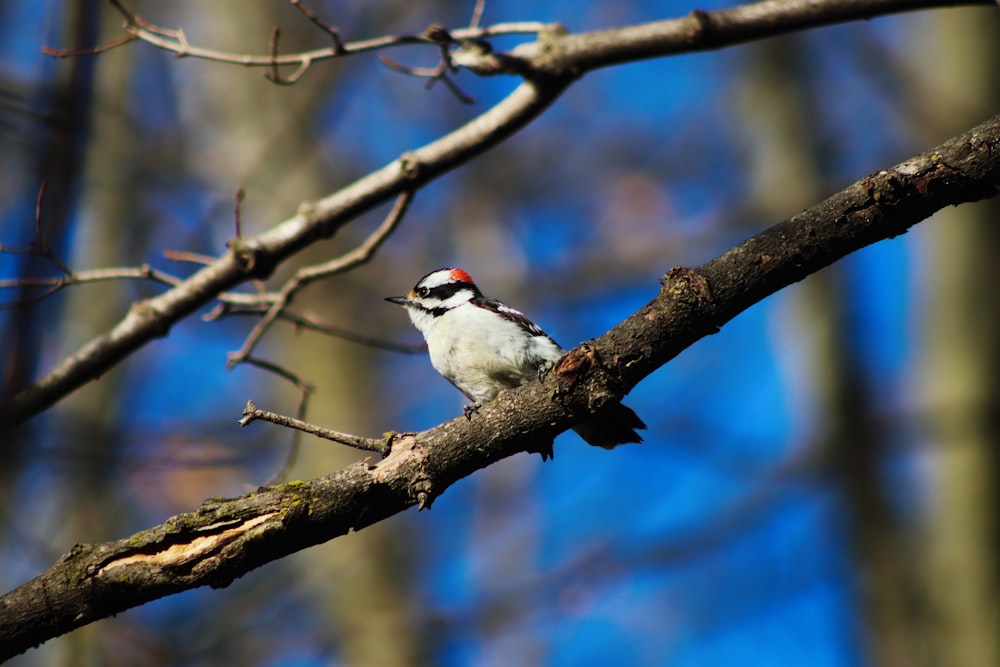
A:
[423, 291]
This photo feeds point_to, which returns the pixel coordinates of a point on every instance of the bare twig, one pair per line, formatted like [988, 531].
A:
[144, 272]
[174, 41]
[272, 50]
[238, 211]
[281, 474]
[281, 371]
[73, 53]
[311, 322]
[33, 298]
[188, 256]
[308, 321]
[382, 446]
[338, 45]
[444, 40]
[40, 248]
[274, 75]
[455, 90]
[422, 72]
[38, 216]
[303, 277]
[477, 13]
[305, 393]
[432, 74]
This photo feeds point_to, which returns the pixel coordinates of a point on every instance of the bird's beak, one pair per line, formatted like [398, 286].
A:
[398, 300]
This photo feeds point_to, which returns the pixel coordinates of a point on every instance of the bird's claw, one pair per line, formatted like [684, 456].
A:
[545, 369]
[471, 409]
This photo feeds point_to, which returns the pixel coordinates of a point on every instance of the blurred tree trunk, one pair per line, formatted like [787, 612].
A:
[80, 503]
[960, 384]
[356, 588]
[786, 149]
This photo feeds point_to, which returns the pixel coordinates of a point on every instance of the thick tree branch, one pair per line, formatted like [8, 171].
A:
[225, 539]
[548, 65]
[702, 30]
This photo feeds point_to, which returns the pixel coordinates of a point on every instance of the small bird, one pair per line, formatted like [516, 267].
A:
[482, 346]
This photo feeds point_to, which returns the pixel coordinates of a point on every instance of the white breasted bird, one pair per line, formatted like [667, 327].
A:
[482, 346]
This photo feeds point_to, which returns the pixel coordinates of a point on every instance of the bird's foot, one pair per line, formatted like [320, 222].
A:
[471, 409]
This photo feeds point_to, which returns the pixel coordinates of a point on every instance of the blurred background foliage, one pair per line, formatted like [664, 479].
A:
[818, 484]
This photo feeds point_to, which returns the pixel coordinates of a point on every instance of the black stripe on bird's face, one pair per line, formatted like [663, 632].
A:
[446, 291]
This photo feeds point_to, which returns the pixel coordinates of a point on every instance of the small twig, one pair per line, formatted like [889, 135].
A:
[40, 248]
[272, 48]
[281, 474]
[338, 45]
[422, 72]
[309, 274]
[38, 213]
[278, 370]
[432, 74]
[130, 18]
[43, 246]
[144, 272]
[174, 41]
[455, 90]
[73, 53]
[308, 321]
[188, 256]
[34, 298]
[305, 392]
[382, 446]
[477, 13]
[364, 252]
[238, 211]
[243, 354]
[444, 40]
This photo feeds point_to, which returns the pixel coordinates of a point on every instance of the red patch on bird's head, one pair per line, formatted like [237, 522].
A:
[460, 276]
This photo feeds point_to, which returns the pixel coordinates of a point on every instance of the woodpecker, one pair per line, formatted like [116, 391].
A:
[483, 346]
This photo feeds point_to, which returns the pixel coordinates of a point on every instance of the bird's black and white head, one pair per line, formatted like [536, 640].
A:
[437, 293]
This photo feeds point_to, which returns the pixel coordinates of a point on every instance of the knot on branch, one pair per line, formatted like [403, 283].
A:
[407, 464]
[409, 165]
[688, 285]
[582, 368]
[251, 258]
[438, 34]
[422, 490]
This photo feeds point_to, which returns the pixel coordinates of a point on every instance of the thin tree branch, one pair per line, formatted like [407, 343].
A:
[238, 210]
[94, 50]
[225, 539]
[305, 393]
[338, 45]
[252, 413]
[175, 41]
[144, 272]
[303, 277]
[477, 13]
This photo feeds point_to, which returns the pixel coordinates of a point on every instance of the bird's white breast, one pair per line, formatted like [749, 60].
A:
[481, 353]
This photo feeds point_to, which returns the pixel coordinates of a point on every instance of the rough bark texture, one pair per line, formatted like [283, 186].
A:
[225, 539]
